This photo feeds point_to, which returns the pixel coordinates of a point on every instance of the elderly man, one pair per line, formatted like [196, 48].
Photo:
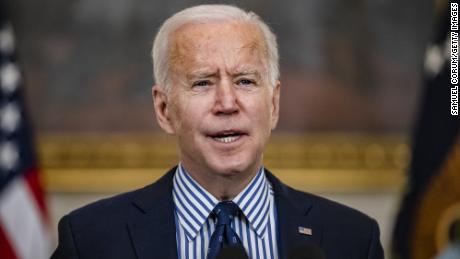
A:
[216, 69]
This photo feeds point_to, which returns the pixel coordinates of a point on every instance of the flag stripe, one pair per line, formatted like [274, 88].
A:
[35, 187]
[22, 221]
[6, 250]
[24, 232]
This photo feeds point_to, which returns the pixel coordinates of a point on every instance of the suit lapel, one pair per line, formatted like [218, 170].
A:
[151, 224]
[153, 231]
[294, 210]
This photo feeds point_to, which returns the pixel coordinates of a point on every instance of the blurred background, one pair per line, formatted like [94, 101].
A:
[345, 66]
[359, 123]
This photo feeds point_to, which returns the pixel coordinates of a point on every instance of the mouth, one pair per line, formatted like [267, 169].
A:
[227, 136]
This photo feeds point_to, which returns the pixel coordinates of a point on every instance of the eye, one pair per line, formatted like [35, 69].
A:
[201, 83]
[245, 82]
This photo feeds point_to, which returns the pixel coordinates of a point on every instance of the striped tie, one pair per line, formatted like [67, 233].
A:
[223, 234]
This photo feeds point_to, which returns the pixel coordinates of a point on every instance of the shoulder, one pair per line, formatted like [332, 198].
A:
[346, 232]
[115, 209]
[328, 210]
[101, 229]
[115, 206]
[335, 214]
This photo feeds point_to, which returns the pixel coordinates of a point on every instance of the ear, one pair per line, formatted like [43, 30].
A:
[275, 104]
[162, 105]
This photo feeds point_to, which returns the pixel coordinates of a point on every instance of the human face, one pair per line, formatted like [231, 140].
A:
[220, 105]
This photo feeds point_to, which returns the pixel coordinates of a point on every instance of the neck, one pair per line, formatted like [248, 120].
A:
[223, 186]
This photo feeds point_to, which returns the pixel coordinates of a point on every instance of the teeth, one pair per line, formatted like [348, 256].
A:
[226, 139]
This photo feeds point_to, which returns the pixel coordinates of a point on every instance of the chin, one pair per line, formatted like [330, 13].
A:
[232, 166]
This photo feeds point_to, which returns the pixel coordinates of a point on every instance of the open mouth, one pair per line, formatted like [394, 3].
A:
[227, 136]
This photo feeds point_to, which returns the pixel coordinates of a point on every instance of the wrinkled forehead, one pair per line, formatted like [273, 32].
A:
[193, 42]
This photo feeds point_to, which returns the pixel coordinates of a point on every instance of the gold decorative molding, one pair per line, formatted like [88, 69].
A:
[314, 162]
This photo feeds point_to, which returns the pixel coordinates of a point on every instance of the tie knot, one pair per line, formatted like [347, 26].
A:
[225, 212]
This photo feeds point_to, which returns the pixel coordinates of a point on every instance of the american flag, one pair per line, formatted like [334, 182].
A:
[24, 231]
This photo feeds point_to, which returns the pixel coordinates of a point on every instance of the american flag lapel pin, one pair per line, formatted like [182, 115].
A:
[305, 231]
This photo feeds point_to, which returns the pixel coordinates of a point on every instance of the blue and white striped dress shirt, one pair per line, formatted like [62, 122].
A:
[194, 224]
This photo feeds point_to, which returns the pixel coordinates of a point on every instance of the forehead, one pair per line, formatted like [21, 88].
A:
[233, 42]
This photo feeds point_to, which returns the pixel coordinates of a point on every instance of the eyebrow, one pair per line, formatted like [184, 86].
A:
[201, 74]
[246, 72]
[209, 73]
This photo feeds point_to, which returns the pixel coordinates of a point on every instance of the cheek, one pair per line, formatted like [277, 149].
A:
[260, 111]
[174, 113]
[190, 112]
[178, 112]
[264, 105]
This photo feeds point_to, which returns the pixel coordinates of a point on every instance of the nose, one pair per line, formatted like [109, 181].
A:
[226, 101]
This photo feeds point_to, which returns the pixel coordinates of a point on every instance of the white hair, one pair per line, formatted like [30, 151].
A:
[206, 13]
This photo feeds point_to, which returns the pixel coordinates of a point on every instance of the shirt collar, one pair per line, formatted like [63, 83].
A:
[194, 204]
[254, 202]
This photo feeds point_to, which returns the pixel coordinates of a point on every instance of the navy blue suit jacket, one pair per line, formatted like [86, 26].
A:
[140, 224]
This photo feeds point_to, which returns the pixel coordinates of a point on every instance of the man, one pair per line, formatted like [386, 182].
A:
[216, 69]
